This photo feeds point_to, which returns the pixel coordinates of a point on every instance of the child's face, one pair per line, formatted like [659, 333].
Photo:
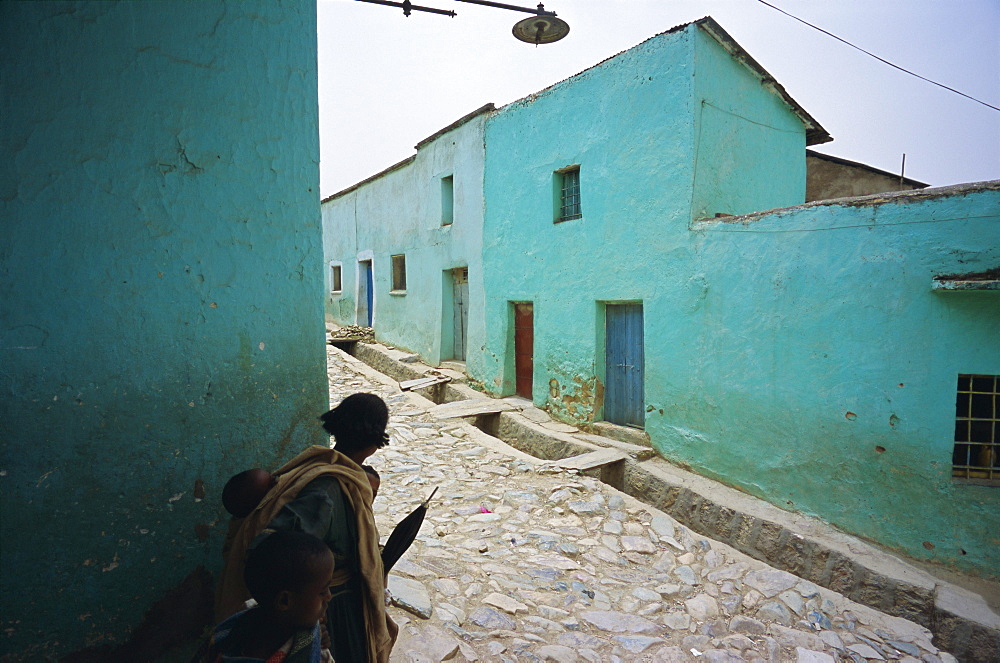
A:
[374, 482]
[308, 605]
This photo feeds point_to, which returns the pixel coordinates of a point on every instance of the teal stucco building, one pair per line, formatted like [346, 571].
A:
[647, 258]
[160, 304]
[406, 245]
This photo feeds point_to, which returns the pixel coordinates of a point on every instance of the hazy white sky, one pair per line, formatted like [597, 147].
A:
[387, 81]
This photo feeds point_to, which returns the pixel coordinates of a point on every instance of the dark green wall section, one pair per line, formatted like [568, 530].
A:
[161, 322]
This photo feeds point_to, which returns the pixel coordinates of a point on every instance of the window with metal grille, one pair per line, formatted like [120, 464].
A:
[335, 284]
[399, 273]
[569, 194]
[977, 429]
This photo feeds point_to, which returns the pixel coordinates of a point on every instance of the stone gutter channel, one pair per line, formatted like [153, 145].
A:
[962, 621]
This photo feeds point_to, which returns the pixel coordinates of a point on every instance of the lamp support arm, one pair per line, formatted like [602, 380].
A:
[406, 6]
[540, 11]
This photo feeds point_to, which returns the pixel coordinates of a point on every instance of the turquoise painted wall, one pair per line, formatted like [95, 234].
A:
[400, 212]
[630, 124]
[160, 279]
[627, 124]
[819, 369]
[743, 138]
[760, 337]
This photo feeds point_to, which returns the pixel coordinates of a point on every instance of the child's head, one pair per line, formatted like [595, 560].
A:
[373, 479]
[243, 492]
[289, 575]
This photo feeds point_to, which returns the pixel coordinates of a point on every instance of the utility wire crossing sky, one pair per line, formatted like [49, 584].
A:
[388, 81]
[827, 32]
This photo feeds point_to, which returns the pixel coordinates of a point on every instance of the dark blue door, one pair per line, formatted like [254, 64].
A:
[371, 292]
[366, 294]
[623, 388]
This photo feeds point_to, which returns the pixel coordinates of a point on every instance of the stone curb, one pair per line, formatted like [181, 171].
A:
[960, 620]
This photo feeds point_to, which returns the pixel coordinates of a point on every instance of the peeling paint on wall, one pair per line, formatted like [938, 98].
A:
[577, 400]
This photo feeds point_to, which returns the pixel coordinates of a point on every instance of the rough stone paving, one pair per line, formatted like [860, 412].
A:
[520, 561]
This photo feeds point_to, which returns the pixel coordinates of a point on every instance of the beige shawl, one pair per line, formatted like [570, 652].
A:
[311, 464]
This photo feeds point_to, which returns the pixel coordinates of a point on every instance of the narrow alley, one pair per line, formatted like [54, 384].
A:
[519, 560]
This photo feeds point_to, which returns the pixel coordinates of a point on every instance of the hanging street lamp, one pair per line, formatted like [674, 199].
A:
[542, 28]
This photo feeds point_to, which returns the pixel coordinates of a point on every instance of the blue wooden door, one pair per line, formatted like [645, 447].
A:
[366, 294]
[623, 387]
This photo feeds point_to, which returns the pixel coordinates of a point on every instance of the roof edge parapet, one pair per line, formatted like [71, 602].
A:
[396, 166]
[408, 160]
[533, 95]
[486, 108]
[909, 196]
[815, 134]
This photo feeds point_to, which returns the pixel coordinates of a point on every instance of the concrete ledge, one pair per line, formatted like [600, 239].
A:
[389, 362]
[961, 621]
[592, 460]
[635, 451]
[472, 407]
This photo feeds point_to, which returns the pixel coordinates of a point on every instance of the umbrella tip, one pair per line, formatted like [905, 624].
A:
[431, 496]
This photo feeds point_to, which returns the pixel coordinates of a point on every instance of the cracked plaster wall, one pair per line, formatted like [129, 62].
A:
[160, 279]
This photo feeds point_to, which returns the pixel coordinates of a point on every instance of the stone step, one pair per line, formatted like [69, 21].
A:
[592, 460]
[420, 383]
[470, 408]
[634, 450]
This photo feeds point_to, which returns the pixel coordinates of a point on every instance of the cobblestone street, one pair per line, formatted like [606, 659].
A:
[521, 561]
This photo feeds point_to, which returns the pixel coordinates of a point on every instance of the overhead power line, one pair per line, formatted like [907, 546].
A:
[827, 32]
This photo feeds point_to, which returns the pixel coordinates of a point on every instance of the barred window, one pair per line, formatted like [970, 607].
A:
[569, 194]
[976, 455]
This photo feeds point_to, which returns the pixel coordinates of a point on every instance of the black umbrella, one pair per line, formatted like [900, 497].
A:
[404, 534]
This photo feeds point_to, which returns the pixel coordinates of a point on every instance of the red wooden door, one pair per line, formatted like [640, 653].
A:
[524, 348]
